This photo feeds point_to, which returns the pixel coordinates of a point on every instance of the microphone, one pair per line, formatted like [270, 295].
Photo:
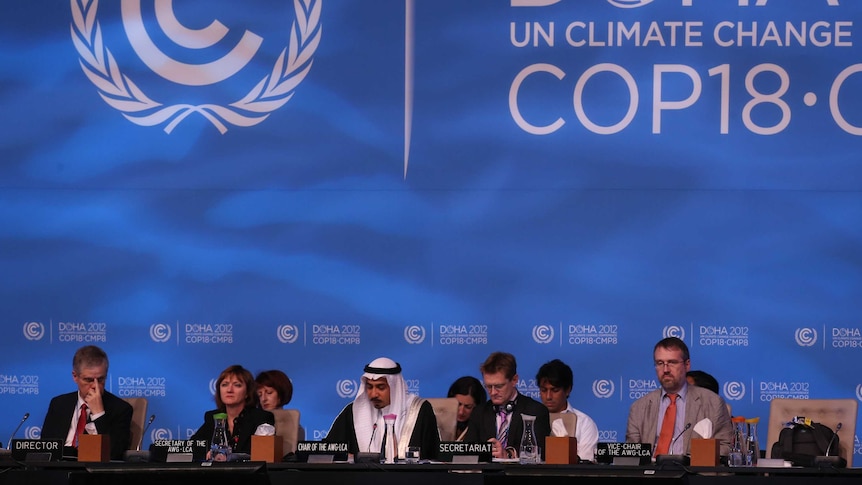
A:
[27, 415]
[833, 461]
[670, 460]
[373, 430]
[670, 446]
[144, 432]
[834, 435]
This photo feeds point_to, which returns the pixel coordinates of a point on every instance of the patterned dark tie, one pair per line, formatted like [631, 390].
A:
[503, 430]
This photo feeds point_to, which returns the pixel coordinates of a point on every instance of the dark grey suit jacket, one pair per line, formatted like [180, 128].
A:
[116, 422]
[700, 404]
[483, 425]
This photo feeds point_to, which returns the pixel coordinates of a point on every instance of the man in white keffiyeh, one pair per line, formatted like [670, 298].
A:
[383, 391]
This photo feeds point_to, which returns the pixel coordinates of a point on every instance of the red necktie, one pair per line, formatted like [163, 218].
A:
[82, 421]
[667, 425]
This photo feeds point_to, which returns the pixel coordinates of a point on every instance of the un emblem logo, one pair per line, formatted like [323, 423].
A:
[33, 432]
[414, 334]
[34, 331]
[805, 337]
[287, 334]
[603, 388]
[734, 390]
[346, 388]
[159, 332]
[677, 331]
[122, 93]
[543, 334]
[629, 3]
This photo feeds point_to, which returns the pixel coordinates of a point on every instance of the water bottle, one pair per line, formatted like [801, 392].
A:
[529, 451]
[390, 453]
[753, 448]
[738, 443]
[219, 446]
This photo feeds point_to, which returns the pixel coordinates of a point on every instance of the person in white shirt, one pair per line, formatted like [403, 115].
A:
[555, 382]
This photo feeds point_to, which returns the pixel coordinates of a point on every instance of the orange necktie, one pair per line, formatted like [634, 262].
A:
[82, 421]
[667, 425]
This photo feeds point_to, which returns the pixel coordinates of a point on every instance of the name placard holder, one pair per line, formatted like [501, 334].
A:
[321, 451]
[464, 451]
[178, 451]
[179, 458]
[36, 450]
[321, 458]
[633, 454]
[465, 459]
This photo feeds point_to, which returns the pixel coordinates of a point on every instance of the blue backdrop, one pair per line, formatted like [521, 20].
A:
[310, 184]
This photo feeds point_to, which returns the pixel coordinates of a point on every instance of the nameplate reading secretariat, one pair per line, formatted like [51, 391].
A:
[305, 450]
[23, 447]
[191, 450]
[449, 450]
[606, 452]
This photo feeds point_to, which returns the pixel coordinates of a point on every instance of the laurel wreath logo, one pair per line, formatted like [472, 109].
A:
[270, 94]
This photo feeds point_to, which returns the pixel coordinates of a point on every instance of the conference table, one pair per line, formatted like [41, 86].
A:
[260, 473]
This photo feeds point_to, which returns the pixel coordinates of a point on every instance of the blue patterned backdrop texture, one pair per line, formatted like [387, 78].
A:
[310, 184]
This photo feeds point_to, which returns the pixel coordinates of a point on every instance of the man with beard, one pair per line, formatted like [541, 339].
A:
[671, 415]
[383, 391]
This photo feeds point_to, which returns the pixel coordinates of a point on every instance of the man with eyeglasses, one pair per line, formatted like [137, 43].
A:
[90, 409]
[498, 420]
[669, 417]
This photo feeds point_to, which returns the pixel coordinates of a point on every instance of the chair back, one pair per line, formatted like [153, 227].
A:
[139, 420]
[446, 412]
[569, 420]
[287, 426]
[828, 412]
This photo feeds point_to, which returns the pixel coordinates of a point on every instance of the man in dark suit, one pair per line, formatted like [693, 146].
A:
[499, 419]
[104, 413]
[693, 410]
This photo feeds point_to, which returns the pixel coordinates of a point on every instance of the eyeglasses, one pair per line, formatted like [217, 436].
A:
[659, 364]
[495, 387]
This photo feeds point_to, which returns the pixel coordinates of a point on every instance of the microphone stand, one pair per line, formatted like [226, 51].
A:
[831, 461]
[9, 443]
[668, 460]
[137, 455]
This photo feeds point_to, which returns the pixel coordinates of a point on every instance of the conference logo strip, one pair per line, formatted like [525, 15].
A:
[193, 333]
[140, 386]
[576, 334]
